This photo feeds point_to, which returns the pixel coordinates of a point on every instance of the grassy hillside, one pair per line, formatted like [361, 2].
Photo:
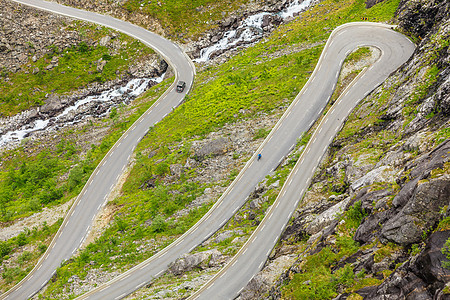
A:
[185, 18]
[250, 81]
[76, 68]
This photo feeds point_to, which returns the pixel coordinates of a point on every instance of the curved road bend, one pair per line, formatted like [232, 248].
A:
[396, 49]
[274, 148]
[299, 117]
[78, 220]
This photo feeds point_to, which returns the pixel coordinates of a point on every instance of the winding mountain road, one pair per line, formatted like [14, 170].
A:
[299, 117]
[78, 220]
[396, 49]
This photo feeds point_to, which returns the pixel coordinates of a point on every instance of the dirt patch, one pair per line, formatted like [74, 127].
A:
[47, 215]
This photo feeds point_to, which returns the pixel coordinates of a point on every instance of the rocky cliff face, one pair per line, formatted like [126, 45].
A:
[393, 174]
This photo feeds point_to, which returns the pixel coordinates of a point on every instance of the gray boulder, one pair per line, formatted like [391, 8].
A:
[327, 217]
[213, 148]
[199, 260]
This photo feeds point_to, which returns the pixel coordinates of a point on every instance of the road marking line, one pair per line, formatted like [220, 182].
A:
[320, 67]
[53, 245]
[121, 296]
[270, 216]
[350, 109]
[234, 263]
[245, 250]
[42, 285]
[318, 159]
[30, 277]
[117, 178]
[262, 228]
[159, 273]
[331, 138]
[125, 136]
[314, 140]
[275, 241]
[96, 173]
[111, 153]
[295, 173]
[309, 149]
[320, 130]
[288, 113]
[278, 203]
[141, 121]
[129, 156]
[326, 120]
[261, 265]
[223, 274]
[31, 295]
[112, 185]
[119, 144]
[194, 230]
[283, 193]
[312, 122]
[39, 268]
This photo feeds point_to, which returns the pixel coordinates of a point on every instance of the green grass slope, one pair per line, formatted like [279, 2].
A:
[251, 80]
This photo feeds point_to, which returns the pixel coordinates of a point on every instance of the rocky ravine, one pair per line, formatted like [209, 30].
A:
[396, 167]
[28, 35]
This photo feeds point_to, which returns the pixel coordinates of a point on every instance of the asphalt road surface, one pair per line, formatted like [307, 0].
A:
[299, 117]
[396, 49]
[77, 223]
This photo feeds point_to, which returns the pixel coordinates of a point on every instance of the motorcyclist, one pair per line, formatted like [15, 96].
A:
[259, 156]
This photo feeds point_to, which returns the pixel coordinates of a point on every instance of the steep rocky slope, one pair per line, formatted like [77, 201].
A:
[375, 222]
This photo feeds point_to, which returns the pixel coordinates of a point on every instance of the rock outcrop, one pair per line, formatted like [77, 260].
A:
[397, 189]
